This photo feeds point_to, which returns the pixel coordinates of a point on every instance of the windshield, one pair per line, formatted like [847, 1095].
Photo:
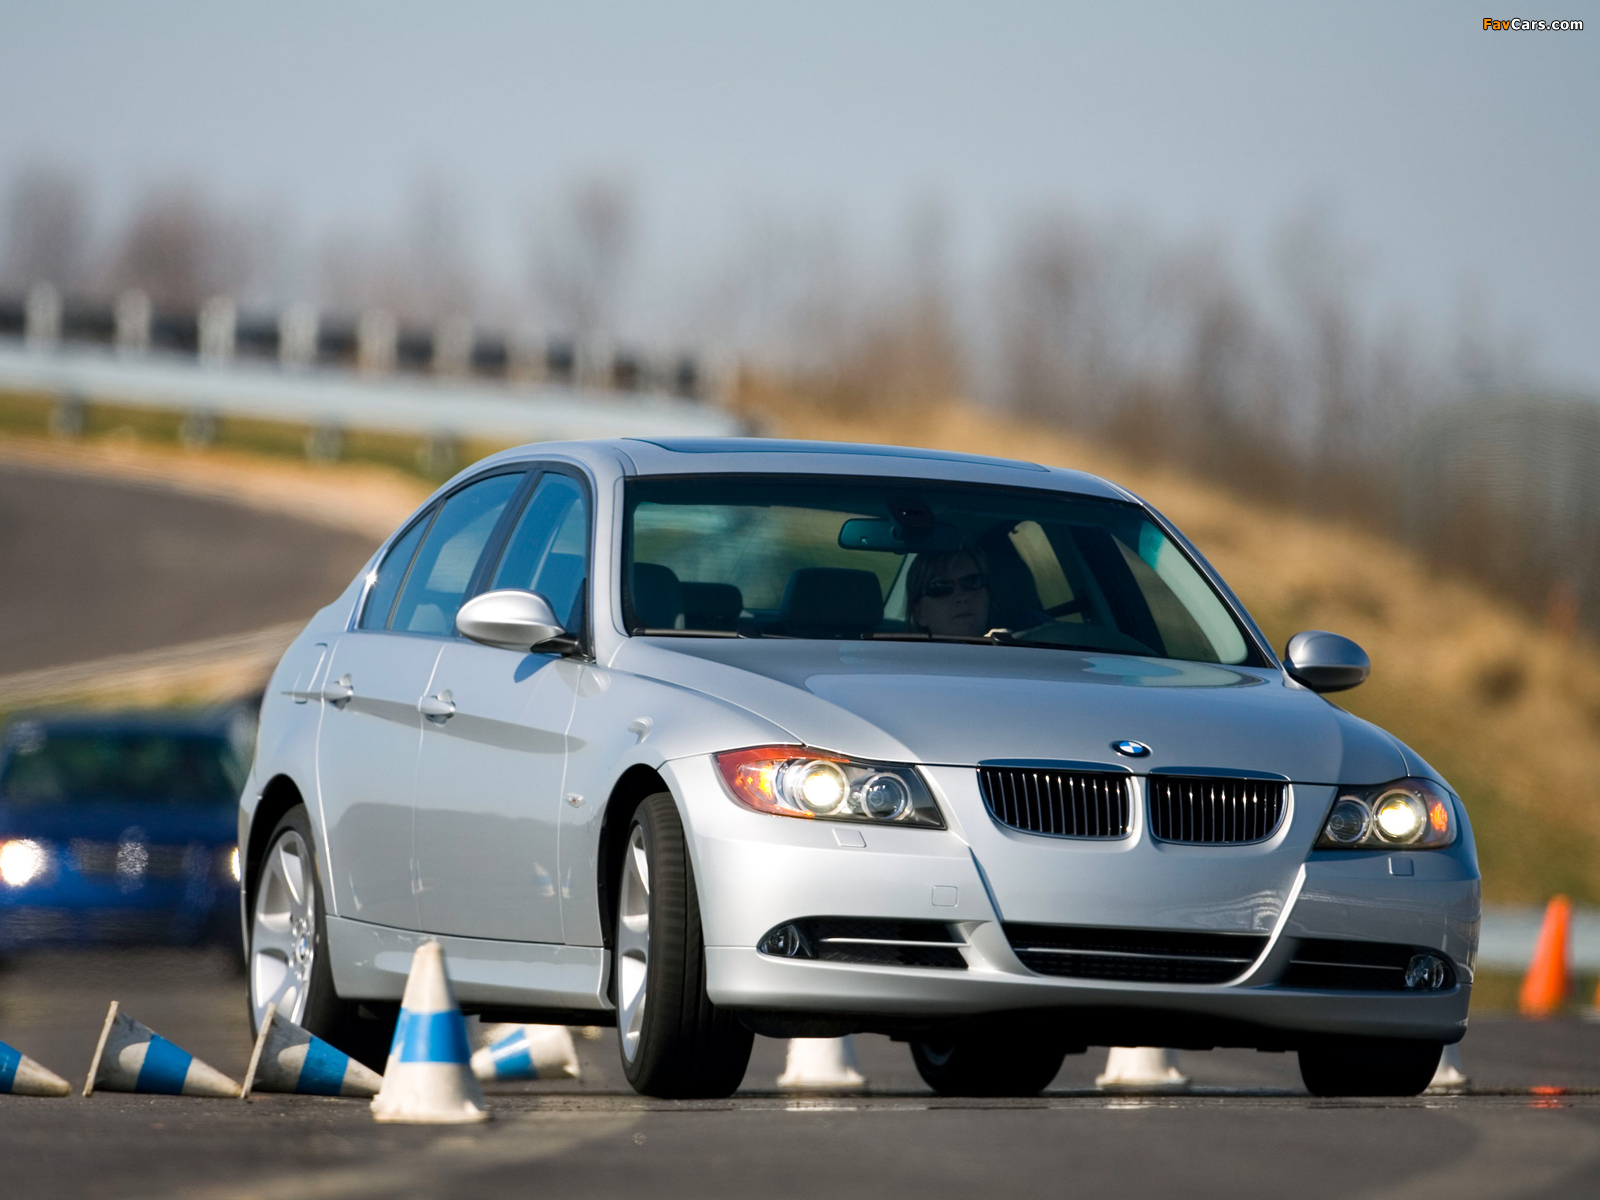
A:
[911, 560]
[43, 767]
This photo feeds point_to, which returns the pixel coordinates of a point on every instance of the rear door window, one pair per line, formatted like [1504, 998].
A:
[444, 566]
[380, 600]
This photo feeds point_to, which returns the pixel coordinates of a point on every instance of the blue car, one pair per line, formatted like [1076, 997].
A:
[119, 829]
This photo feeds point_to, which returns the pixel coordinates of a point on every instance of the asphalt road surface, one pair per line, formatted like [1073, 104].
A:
[95, 567]
[1530, 1127]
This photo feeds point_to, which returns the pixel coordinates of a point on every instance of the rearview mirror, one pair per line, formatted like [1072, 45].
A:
[1325, 662]
[878, 533]
[512, 619]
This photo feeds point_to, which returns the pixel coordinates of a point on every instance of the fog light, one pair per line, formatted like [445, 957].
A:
[21, 862]
[786, 941]
[1426, 973]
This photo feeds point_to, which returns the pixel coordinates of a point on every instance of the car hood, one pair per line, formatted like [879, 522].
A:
[955, 704]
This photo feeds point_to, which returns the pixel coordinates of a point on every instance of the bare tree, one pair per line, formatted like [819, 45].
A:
[580, 256]
[47, 228]
[179, 249]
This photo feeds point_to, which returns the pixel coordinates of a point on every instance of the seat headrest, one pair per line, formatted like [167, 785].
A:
[831, 602]
[657, 596]
[711, 606]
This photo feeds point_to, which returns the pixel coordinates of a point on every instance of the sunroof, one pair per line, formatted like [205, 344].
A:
[735, 445]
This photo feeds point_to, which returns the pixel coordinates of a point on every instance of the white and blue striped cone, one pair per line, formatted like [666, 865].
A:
[1141, 1069]
[818, 1063]
[21, 1076]
[514, 1052]
[133, 1058]
[1451, 1075]
[288, 1058]
[429, 1078]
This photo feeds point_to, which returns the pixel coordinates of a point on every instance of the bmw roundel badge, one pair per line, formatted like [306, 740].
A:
[1131, 749]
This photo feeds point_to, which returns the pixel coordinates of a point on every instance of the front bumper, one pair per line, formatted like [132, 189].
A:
[755, 872]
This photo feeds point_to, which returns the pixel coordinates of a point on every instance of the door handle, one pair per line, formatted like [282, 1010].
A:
[440, 708]
[339, 692]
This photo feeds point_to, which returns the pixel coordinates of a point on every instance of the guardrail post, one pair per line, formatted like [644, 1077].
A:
[297, 335]
[42, 323]
[452, 346]
[376, 334]
[67, 415]
[219, 322]
[593, 368]
[133, 322]
[325, 443]
[198, 428]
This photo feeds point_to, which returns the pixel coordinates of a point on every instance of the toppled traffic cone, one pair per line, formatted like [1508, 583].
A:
[1451, 1075]
[1141, 1069]
[1544, 988]
[429, 1079]
[526, 1052]
[133, 1058]
[822, 1063]
[288, 1058]
[21, 1076]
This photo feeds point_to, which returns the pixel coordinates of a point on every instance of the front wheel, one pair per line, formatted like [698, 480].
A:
[675, 1043]
[287, 959]
[990, 1059]
[1369, 1066]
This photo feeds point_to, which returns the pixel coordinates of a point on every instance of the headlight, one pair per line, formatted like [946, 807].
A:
[792, 781]
[228, 863]
[1410, 814]
[22, 861]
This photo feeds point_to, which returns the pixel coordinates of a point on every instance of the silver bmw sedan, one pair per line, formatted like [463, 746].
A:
[708, 738]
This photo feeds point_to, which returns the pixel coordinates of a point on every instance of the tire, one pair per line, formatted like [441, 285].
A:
[1369, 1066]
[674, 1042]
[287, 960]
[989, 1059]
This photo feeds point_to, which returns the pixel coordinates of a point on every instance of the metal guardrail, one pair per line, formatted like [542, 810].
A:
[448, 383]
[334, 401]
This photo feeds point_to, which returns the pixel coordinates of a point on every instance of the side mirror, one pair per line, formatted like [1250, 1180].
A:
[512, 619]
[1325, 662]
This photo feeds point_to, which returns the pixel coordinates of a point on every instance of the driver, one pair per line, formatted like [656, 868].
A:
[948, 594]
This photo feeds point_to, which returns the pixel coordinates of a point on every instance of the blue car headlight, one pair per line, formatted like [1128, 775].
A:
[23, 860]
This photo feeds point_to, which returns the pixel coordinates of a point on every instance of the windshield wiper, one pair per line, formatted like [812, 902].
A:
[987, 639]
[643, 631]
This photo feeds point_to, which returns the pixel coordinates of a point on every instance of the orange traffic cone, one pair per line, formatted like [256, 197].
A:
[1544, 988]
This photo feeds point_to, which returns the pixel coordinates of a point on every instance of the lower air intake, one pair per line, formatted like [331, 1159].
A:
[1134, 955]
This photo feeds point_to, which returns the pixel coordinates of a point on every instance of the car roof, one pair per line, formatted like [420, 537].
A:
[780, 456]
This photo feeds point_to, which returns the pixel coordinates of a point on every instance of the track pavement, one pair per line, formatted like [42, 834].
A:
[1531, 1128]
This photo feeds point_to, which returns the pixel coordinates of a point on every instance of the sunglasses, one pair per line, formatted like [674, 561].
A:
[940, 589]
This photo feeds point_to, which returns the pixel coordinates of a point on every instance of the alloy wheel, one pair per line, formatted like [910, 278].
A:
[283, 930]
[633, 943]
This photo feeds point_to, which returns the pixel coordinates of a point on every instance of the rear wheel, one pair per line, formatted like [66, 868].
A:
[675, 1043]
[287, 959]
[990, 1059]
[1369, 1066]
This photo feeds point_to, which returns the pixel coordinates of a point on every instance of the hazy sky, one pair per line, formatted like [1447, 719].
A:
[1463, 160]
